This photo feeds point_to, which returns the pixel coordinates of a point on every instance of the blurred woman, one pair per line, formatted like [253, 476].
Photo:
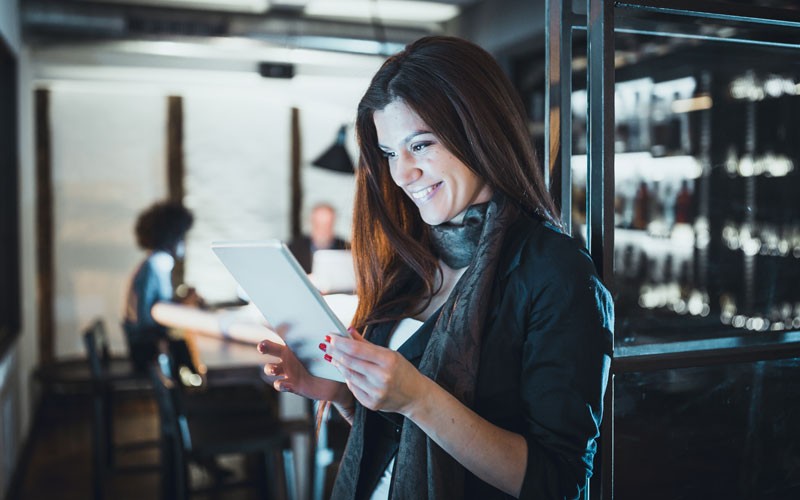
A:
[160, 231]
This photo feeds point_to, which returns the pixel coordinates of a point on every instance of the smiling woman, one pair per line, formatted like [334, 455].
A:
[480, 347]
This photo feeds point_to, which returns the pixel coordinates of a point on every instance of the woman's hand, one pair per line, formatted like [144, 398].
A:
[293, 377]
[380, 378]
[188, 296]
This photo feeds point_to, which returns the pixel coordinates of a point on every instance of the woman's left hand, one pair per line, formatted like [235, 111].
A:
[380, 378]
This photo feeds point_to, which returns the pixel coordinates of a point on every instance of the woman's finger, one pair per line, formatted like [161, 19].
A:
[352, 364]
[366, 397]
[269, 347]
[281, 385]
[357, 349]
[364, 383]
[273, 370]
[354, 333]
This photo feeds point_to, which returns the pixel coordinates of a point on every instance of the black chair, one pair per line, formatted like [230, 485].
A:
[203, 435]
[110, 377]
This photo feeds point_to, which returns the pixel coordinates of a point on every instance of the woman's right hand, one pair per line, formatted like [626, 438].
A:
[293, 377]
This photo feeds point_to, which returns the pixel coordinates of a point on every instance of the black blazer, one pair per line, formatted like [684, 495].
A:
[544, 362]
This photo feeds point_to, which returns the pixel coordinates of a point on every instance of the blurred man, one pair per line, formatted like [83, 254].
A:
[322, 237]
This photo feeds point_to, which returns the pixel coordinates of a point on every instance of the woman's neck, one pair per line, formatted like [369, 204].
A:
[448, 279]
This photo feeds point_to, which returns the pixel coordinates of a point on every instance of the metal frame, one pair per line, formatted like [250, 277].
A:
[558, 116]
[724, 11]
[599, 24]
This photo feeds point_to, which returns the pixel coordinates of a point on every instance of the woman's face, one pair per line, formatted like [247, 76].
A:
[439, 184]
[179, 250]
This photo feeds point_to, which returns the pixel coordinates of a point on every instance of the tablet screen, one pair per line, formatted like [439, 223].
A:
[277, 285]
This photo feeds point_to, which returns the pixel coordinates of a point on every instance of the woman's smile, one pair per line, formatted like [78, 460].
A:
[425, 194]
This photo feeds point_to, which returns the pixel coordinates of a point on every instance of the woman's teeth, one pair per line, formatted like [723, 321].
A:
[423, 193]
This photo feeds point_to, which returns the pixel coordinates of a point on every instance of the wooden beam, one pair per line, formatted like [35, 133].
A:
[175, 166]
[296, 178]
[44, 228]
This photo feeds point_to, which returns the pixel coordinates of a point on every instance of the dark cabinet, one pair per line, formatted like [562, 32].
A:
[672, 142]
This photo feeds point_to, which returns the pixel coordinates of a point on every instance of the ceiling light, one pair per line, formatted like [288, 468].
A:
[251, 6]
[289, 3]
[383, 10]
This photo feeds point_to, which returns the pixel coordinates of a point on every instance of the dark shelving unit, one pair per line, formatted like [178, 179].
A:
[668, 140]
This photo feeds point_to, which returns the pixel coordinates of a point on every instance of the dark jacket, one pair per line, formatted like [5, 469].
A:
[544, 360]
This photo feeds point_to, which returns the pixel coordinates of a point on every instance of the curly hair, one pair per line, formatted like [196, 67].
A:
[163, 225]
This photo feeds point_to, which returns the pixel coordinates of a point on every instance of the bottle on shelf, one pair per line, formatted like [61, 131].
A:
[641, 204]
[683, 204]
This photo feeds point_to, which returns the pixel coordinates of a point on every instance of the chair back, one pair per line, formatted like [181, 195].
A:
[170, 405]
[96, 342]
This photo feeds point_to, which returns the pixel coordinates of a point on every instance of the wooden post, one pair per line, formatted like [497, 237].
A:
[175, 167]
[296, 179]
[44, 228]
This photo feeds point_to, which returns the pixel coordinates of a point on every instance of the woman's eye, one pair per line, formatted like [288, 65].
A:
[388, 154]
[419, 146]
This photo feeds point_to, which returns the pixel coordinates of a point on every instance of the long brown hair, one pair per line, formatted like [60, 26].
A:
[460, 91]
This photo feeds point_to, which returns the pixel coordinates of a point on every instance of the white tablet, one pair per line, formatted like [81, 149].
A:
[281, 290]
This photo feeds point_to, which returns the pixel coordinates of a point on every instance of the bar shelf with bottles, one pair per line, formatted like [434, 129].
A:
[707, 215]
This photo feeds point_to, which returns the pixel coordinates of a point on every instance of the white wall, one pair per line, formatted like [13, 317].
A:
[236, 150]
[27, 353]
[108, 161]
[108, 126]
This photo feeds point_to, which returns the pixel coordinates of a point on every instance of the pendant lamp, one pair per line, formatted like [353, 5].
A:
[336, 157]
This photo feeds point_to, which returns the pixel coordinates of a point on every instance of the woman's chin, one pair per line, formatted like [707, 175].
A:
[433, 219]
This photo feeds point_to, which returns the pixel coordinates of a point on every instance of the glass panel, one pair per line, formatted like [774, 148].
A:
[707, 238]
[715, 432]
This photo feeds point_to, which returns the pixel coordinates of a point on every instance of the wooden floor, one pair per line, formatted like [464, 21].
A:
[58, 466]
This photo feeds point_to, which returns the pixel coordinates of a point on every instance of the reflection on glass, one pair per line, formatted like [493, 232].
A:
[707, 238]
[726, 431]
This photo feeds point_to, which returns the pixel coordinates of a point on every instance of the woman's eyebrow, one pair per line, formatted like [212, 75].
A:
[408, 138]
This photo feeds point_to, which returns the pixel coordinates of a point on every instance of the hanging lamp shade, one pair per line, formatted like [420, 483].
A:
[336, 157]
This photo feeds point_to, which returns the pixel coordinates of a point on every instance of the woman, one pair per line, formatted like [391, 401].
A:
[160, 231]
[480, 345]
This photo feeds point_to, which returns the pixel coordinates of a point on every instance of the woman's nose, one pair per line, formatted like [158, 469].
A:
[405, 170]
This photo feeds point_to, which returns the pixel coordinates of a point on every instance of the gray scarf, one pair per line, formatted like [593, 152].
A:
[422, 469]
[456, 244]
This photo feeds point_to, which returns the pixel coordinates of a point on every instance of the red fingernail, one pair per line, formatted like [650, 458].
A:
[327, 338]
[327, 358]
[351, 329]
[323, 347]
